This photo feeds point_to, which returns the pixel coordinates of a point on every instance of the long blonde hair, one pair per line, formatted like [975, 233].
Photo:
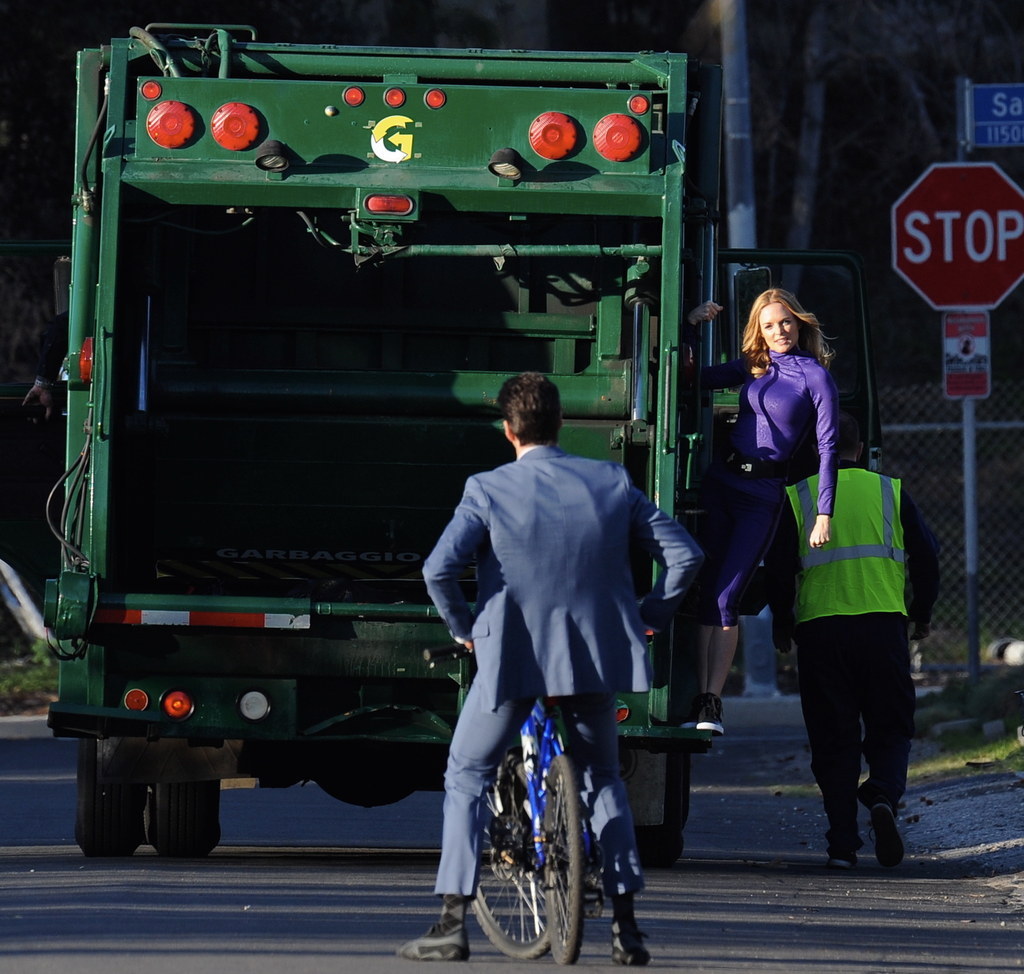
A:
[811, 339]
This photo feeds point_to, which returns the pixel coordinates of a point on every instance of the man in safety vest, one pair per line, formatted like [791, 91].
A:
[848, 617]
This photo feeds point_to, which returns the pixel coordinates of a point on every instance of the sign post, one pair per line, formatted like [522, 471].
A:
[958, 240]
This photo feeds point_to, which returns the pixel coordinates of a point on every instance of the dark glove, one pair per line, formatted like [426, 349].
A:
[920, 630]
[782, 637]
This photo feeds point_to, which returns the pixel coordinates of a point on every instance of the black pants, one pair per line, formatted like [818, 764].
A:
[854, 670]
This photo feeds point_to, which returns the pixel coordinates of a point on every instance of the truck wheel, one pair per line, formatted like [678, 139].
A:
[661, 845]
[109, 817]
[183, 819]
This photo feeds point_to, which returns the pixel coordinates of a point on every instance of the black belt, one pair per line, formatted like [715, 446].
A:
[752, 468]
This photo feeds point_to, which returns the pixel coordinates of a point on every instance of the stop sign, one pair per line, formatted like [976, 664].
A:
[958, 235]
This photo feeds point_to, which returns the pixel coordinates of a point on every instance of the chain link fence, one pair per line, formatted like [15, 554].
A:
[922, 443]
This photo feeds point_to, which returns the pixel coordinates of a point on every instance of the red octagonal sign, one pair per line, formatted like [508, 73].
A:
[958, 235]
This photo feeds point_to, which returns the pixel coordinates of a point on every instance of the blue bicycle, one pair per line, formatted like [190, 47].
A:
[541, 870]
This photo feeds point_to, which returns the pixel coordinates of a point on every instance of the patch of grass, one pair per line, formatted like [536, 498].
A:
[28, 675]
[961, 753]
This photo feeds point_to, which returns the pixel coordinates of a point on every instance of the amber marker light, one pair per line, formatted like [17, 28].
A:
[85, 361]
[177, 705]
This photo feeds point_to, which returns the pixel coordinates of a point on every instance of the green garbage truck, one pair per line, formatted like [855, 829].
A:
[299, 275]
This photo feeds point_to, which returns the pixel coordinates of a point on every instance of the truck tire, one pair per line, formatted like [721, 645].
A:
[109, 819]
[183, 819]
[661, 845]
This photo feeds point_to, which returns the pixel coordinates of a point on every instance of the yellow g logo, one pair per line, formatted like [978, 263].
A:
[401, 140]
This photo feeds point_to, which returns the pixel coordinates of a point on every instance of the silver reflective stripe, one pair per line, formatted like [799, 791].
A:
[827, 556]
[822, 556]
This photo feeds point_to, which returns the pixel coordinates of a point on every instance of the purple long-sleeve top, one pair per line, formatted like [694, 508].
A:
[778, 409]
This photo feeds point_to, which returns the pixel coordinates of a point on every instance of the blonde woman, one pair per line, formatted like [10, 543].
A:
[786, 394]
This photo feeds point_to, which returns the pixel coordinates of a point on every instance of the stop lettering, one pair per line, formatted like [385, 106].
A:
[958, 235]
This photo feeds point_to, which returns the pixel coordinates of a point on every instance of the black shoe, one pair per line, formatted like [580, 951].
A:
[705, 714]
[435, 945]
[841, 860]
[695, 710]
[627, 945]
[888, 844]
[711, 715]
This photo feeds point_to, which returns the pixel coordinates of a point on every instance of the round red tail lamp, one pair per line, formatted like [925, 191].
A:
[394, 97]
[618, 137]
[553, 135]
[136, 699]
[354, 96]
[235, 126]
[435, 98]
[170, 124]
[639, 104]
[177, 705]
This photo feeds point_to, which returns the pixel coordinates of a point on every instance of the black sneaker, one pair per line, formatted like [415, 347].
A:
[435, 945]
[695, 711]
[841, 860]
[711, 715]
[627, 945]
[888, 844]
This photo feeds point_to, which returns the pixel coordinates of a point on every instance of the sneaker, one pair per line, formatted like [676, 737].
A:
[695, 709]
[711, 715]
[627, 945]
[844, 860]
[435, 945]
[888, 844]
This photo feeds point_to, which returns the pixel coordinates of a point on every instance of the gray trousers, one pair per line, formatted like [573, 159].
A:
[480, 741]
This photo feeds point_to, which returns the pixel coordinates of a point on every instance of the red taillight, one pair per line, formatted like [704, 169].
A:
[354, 96]
[621, 713]
[639, 104]
[136, 699]
[618, 137]
[395, 205]
[151, 90]
[553, 135]
[170, 124]
[394, 97]
[235, 126]
[435, 98]
[177, 705]
[85, 361]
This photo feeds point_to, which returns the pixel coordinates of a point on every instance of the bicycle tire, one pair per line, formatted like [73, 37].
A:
[510, 895]
[565, 866]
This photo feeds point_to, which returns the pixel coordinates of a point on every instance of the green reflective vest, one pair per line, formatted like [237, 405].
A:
[861, 569]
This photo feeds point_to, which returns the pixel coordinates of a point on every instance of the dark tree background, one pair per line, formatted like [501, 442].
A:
[851, 100]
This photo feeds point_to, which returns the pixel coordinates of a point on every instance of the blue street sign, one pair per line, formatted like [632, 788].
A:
[997, 115]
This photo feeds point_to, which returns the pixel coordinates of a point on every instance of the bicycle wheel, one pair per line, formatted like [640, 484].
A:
[510, 894]
[565, 867]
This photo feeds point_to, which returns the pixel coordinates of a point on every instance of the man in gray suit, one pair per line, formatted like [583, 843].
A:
[556, 615]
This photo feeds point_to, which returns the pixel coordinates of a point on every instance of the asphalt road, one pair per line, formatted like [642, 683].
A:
[302, 884]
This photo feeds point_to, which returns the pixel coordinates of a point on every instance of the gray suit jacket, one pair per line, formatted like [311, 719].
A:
[556, 610]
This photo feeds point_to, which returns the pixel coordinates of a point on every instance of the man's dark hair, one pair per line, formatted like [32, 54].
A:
[848, 433]
[531, 405]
